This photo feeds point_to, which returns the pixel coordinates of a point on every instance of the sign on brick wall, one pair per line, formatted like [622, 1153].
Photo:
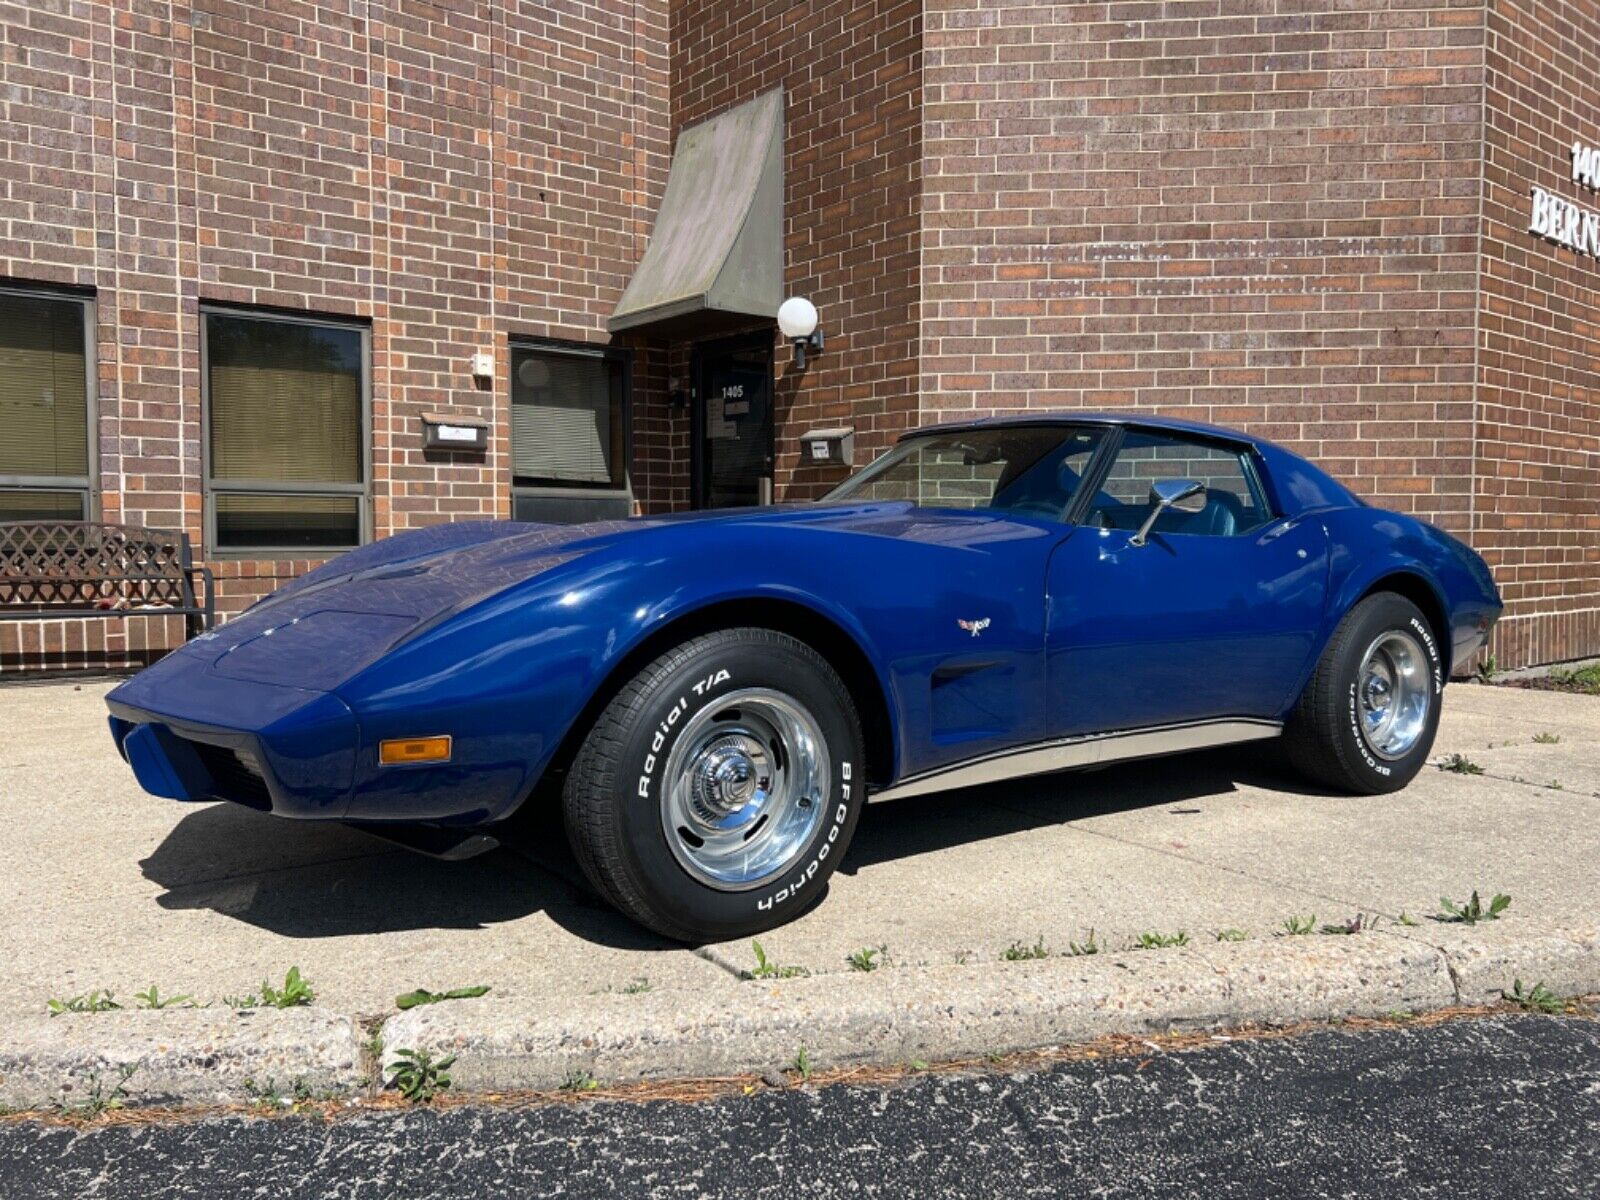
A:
[1563, 222]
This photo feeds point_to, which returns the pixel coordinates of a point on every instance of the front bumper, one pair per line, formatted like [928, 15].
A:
[295, 756]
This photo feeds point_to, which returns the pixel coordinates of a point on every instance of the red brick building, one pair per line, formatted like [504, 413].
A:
[261, 262]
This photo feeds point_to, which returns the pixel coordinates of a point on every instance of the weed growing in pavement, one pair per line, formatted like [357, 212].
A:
[418, 1076]
[1231, 935]
[1538, 998]
[1159, 941]
[99, 1099]
[765, 968]
[1080, 949]
[1547, 739]
[90, 1002]
[866, 959]
[1473, 910]
[580, 1081]
[1300, 926]
[1018, 952]
[1460, 764]
[1400, 1014]
[636, 987]
[424, 996]
[296, 990]
[1579, 679]
[1488, 668]
[1355, 924]
[802, 1064]
[151, 998]
[1406, 919]
[269, 1095]
[1555, 785]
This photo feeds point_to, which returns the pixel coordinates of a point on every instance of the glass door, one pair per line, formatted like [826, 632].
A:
[733, 422]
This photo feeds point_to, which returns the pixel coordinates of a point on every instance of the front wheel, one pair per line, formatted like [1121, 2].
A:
[1367, 719]
[718, 790]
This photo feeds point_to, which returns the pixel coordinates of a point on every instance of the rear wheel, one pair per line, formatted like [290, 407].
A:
[716, 793]
[1367, 719]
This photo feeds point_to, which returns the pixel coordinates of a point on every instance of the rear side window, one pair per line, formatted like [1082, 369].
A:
[1235, 502]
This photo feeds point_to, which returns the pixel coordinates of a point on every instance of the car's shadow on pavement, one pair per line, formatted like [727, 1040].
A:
[305, 879]
[917, 825]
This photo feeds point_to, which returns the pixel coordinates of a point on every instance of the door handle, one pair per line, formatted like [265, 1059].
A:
[1277, 531]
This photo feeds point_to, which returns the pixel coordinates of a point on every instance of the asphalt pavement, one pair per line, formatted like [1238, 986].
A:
[1504, 1106]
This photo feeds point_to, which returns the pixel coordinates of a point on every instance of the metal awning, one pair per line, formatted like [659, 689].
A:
[716, 253]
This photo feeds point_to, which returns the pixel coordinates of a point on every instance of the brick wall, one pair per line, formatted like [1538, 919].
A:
[1537, 517]
[451, 173]
[851, 72]
[1265, 215]
[1261, 215]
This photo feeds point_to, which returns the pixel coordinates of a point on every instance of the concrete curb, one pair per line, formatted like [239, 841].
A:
[889, 1016]
[922, 1013]
[899, 1014]
[202, 1055]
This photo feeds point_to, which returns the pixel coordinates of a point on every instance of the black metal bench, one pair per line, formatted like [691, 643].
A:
[54, 569]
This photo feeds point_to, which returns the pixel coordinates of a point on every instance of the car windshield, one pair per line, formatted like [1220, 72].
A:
[1024, 470]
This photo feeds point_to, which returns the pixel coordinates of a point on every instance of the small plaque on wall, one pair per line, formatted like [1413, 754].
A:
[446, 431]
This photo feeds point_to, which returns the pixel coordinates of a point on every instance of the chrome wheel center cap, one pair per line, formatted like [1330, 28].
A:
[732, 772]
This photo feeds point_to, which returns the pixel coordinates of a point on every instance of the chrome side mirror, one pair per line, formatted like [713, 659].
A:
[1185, 495]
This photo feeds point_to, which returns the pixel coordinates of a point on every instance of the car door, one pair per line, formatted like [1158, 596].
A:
[1213, 616]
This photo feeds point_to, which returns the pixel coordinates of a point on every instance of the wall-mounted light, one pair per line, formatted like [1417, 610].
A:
[797, 320]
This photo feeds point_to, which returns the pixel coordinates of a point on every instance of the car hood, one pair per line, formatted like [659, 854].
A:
[435, 569]
[323, 628]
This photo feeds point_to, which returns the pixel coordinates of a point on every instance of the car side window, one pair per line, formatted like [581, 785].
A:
[1027, 471]
[1235, 503]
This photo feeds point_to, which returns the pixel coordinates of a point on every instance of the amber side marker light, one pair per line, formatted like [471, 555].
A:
[400, 751]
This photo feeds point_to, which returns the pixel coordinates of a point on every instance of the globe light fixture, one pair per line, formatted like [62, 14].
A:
[797, 321]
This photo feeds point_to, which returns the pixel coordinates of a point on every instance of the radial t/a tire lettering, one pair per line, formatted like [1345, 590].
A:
[1367, 718]
[719, 788]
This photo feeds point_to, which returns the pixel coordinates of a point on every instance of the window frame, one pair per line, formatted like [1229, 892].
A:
[268, 487]
[1094, 479]
[572, 349]
[87, 485]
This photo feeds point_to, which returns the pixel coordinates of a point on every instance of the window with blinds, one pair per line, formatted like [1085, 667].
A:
[44, 408]
[568, 420]
[286, 417]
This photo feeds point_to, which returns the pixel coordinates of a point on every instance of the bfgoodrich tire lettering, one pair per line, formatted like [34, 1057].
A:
[1342, 733]
[625, 799]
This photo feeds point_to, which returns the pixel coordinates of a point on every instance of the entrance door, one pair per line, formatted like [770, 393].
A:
[733, 422]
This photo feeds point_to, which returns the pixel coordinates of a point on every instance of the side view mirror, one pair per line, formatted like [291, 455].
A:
[1185, 495]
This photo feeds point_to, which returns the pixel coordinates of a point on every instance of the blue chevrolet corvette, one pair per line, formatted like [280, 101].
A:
[711, 697]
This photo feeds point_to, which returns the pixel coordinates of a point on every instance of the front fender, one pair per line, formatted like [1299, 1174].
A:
[509, 677]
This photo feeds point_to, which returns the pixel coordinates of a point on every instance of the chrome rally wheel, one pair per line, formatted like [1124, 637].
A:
[745, 788]
[718, 789]
[1395, 687]
[1367, 717]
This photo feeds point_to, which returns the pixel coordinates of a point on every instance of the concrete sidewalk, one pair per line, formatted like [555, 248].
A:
[104, 887]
